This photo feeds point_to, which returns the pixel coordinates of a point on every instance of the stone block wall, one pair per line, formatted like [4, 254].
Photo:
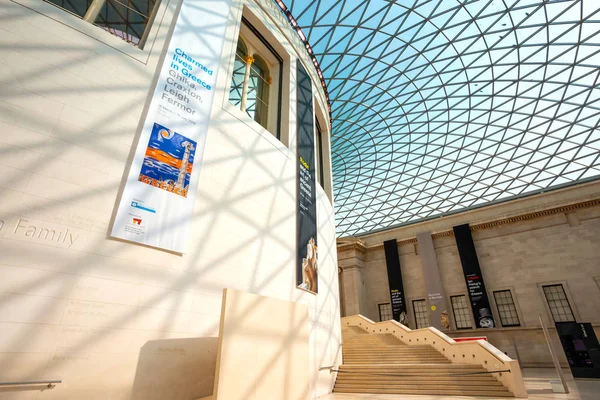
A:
[552, 238]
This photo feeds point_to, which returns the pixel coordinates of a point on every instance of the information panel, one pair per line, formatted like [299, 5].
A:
[581, 347]
[394, 271]
[158, 199]
[480, 303]
[306, 266]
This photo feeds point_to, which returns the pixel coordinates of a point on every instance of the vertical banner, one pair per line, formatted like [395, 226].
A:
[306, 265]
[480, 303]
[158, 199]
[394, 271]
[438, 308]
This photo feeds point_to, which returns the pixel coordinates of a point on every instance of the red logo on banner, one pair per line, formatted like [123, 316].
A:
[137, 221]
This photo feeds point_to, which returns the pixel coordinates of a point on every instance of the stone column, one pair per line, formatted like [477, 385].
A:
[351, 256]
[438, 308]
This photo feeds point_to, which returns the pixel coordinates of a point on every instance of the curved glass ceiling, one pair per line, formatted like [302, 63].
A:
[441, 105]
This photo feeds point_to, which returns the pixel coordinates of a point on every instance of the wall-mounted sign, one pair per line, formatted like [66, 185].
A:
[394, 271]
[480, 304]
[157, 203]
[306, 265]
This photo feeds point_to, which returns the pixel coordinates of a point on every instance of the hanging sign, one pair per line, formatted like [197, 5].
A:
[157, 204]
[394, 272]
[306, 264]
[480, 304]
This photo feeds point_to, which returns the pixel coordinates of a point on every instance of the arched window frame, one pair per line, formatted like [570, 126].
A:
[257, 80]
[260, 80]
[260, 55]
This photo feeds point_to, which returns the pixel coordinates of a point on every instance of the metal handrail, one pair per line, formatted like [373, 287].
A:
[50, 383]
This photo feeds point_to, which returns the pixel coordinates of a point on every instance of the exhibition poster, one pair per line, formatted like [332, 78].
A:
[306, 266]
[394, 272]
[480, 304]
[157, 203]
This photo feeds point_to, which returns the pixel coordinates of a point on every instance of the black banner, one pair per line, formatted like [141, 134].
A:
[480, 303]
[306, 266]
[581, 348]
[392, 260]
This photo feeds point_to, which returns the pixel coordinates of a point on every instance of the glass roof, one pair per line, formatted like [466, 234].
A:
[443, 105]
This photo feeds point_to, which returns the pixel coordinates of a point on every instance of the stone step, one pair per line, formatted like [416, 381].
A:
[377, 345]
[391, 352]
[374, 342]
[398, 363]
[389, 348]
[397, 358]
[427, 391]
[370, 335]
[382, 364]
[394, 355]
[400, 384]
[383, 378]
[462, 367]
[385, 345]
[431, 369]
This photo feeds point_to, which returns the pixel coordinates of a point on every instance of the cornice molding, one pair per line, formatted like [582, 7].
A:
[499, 222]
[350, 244]
[353, 246]
[351, 268]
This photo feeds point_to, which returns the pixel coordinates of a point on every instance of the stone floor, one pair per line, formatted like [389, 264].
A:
[537, 382]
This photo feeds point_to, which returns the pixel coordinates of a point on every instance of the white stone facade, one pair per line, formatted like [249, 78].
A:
[112, 319]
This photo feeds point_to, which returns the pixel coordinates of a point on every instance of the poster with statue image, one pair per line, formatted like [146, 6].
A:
[157, 202]
[306, 264]
[480, 303]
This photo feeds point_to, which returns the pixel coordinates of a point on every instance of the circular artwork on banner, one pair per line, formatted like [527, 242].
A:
[166, 133]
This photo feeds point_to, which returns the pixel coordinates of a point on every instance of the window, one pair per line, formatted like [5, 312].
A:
[460, 308]
[421, 313]
[559, 304]
[252, 86]
[320, 173]
[385, 312]
[127, 19]
[506, 308]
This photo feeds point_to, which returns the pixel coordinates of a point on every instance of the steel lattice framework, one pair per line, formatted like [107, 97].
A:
[443, 105]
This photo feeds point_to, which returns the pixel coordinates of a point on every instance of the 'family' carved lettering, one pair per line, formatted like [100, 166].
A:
[51, 235]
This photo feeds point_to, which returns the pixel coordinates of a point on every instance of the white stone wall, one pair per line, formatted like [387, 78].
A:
[115, 320]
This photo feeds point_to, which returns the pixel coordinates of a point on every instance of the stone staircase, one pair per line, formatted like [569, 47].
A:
[381, 364]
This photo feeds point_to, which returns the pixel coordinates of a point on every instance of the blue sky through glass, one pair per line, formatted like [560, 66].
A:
[442, 105]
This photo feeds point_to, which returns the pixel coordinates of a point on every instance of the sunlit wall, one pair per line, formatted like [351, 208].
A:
[112, 319]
